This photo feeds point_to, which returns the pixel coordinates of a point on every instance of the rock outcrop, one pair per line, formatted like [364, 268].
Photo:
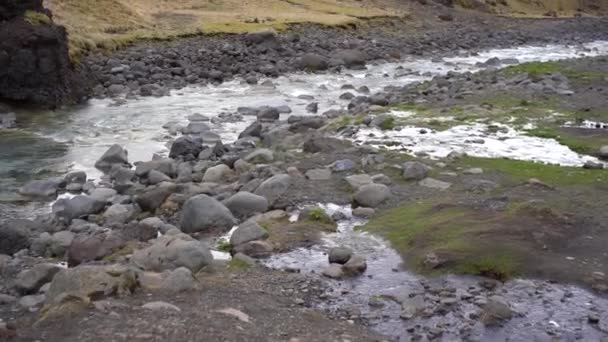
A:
[35, 66]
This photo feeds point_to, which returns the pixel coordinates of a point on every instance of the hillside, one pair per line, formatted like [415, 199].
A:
[109, 23]
[537, 8]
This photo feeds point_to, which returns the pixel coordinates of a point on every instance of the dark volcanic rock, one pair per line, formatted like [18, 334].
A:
[35, 64]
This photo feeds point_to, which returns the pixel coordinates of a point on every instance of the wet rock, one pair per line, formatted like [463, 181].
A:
[245, 259]
[92, 282]
[592, 165]
[266, 38]
[364, 212]
[202, 213]
[8, 120]
[434, 184]
[415, 171]
[41, 188]
[77, 177]
[255, 249]
[260, 156]
[339, 255]
[268, 114]
[30, 281]
[77, 207]
[274, 187]
[245, 204]
[318, 174]
[121, 177]
[312, 107]
[115, 155]
[355, 266]
[253, 130]
[313, 62]
[372, 195]
[333, 271]
[351, 58]
[496, 311]
[357, 181]
[103, 194]
[169, 252]
[165, 166]
[187, 147]
[196, 127]
[248, 231]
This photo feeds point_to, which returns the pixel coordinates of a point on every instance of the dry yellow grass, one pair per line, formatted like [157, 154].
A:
[107, 24]
[539, 8]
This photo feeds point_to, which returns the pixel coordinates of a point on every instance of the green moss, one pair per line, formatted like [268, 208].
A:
[36, 18]
[318, 214]
[456, 233]
[124, 251]
[387, 124]
[223, 245]
[238, 264]
[521, 171]
[538, 69]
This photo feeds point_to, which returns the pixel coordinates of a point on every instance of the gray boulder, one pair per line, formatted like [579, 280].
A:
[76, 207]
[318, 174]
[103, 194]
[357, 181]
[115, 155]
[245, 204]
[30, 281]
[165, 165]
[313, 62]
[186, 146]
[156, 177]
[60, 242]
[14, 236]
[154, 198]
[203, 213]
[262, 155]
[268, 114]
[173, 251]
[603, 152]
[356, 265]
[415, 171]
[41, 188]
[274, 187]
[255, 249]
[339, 255]
[267, 38]
[253, 130]
[86, 247]
[196, 127]
[76, 177]
[372, 195]
[351, 58]
[248, 231]
[496, 311]
[179, 280]
[119, 213]
[217, 173]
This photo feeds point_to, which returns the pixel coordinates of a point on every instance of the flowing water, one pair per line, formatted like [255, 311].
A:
[73, 138]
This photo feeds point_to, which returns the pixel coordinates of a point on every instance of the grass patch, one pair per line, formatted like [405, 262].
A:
[589, 144]
[128, 249]
[237, 264]
[458, 234]
[520, 171]
[536, 70]
[36, 18]
[223, 245]
[387, 124]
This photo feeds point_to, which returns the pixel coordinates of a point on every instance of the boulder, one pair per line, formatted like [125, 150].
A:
[103, 194]
[351, 58]
[41, 188]
[203, 213]
[119, 213]
[333, 271]
[245, 204]
[217, 174]
[115, 155]
[156, 177]
[415, 171]
[339, 255]
[274, 187]
[267, 38]
[30, 281]
[179, 280]
[14, 237]
[434, 184]
[77, 177]
[86, 247]
[356, 265]
[496, 311]
[254, 249]
[248, 231]
[173, 251]
[196, 127]
[253, 130]
[313, 62]
[357, 181]
[165, 165]
[77, 207]
[92, 282]
[187, 147]
[372, 195]
[154, 198]
[268, 114]
[60, 242]
[318, 174]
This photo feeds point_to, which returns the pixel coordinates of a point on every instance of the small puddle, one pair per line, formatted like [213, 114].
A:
[541, 309]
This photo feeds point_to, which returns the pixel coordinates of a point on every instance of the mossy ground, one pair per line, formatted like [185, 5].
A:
[36, 18]
[285, 235]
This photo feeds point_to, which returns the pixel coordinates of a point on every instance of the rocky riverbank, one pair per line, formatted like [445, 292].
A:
[155, 68]
[149, 239]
